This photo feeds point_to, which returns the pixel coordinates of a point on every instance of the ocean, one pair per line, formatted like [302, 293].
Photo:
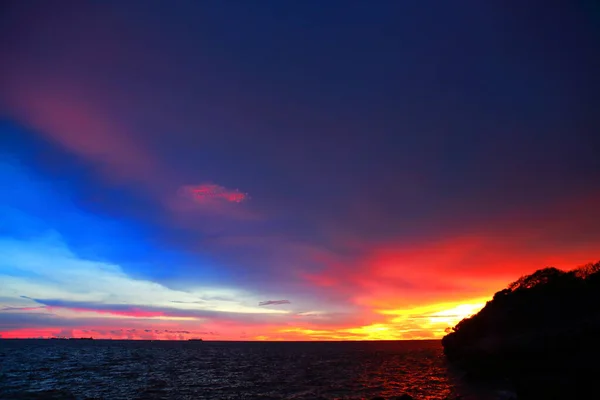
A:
[114, 369]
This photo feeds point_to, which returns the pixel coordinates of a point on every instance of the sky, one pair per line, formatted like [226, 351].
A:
[340, 170]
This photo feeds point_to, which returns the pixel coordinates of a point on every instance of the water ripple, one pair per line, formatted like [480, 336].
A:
[218, 370]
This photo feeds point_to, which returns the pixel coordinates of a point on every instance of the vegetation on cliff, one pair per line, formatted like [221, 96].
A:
[541, 333]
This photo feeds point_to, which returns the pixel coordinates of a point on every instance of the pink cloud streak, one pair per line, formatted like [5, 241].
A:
[206, 192]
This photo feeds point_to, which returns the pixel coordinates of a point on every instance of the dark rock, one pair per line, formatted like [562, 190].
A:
[403, 397]
[506, 395]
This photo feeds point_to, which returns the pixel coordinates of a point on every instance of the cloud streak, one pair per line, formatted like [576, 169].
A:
[208, 192]
[273, 302]
[134, 311]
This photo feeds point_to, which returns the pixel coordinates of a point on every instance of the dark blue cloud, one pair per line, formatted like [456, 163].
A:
[389, 110]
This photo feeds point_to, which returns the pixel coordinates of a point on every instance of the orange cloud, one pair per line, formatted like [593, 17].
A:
[428, 285]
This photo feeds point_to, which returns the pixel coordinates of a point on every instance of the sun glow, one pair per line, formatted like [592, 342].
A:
[430, 321]
[454, 315]
[372, 332]
[423, 322]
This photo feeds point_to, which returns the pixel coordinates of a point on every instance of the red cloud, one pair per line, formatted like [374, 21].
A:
[474, 262]
[207, 192]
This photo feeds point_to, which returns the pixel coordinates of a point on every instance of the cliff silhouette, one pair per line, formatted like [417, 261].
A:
[540, 335]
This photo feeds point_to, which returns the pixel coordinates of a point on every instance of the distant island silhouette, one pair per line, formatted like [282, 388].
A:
[541, 335]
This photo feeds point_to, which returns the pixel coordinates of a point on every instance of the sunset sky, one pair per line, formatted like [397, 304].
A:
[278, 170]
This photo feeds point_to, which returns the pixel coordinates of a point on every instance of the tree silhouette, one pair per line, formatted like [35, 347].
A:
[546, 324]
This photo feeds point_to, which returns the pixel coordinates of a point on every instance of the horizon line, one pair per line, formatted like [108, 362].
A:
[237, 341]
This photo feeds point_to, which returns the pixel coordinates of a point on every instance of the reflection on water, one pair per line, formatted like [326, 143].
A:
[226, 370]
